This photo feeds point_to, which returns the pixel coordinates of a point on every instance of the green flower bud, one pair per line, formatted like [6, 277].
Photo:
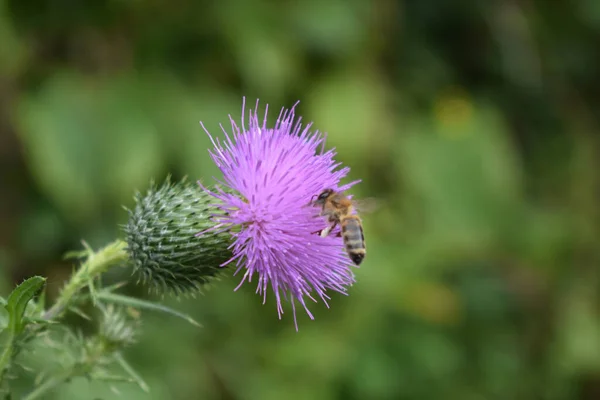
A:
[162, 242]
[117, 330]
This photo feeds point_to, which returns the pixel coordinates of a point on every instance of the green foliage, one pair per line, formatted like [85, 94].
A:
[92, 356]
[77, 355]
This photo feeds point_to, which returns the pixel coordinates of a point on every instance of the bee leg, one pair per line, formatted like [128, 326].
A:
[339, 234]
[327, 230]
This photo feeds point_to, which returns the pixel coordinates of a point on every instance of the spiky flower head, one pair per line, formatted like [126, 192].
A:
[162, 242]
[270, 176]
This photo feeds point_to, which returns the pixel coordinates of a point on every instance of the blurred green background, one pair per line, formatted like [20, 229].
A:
[474, 121]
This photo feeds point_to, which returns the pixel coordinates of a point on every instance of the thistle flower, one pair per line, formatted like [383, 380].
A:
[270, 176]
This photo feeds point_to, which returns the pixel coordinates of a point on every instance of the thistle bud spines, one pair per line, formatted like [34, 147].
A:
[162, 239]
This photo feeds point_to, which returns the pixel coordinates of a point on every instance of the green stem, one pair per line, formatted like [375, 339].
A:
[96, 264]
[6, 355]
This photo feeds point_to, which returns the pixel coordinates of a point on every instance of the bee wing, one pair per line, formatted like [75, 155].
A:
[366, 205]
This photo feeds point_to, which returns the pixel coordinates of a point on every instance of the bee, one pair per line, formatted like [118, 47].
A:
[338, 209]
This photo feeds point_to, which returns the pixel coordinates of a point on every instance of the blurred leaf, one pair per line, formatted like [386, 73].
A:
[277, 67]
[379, 376]
[266, 55]
[89, 142]
[589, 11]
[335, 27]
[133, 147]
[579, 329]
[13, 51]
[435, 303]
[42, 232]
[464, 171]
[177, 111]
[349, 105]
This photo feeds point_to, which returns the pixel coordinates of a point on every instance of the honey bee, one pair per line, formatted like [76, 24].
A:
[338, 209]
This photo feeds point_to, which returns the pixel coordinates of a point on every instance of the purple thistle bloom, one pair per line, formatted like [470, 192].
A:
[270, 176]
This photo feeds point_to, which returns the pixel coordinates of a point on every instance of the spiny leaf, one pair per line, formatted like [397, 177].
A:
[18, 299]
[134, 375]
[15, 306]
[76, 254]
[92, 289]
[80, 312]
[144, 304]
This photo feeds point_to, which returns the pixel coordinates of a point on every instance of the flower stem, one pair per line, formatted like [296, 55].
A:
[95, 264]
[6, 355]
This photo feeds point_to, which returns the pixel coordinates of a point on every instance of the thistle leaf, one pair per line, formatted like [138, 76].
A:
[15, 307]
[144, 304]
[134, 375]
[18, 299]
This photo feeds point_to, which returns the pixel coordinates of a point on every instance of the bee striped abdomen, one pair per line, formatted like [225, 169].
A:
[354, 239]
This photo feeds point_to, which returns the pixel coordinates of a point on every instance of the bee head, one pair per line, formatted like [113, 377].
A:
[320, 198]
